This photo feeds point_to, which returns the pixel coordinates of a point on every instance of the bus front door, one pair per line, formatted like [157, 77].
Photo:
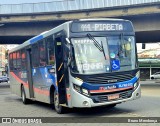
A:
[29, 73]
[60, 69]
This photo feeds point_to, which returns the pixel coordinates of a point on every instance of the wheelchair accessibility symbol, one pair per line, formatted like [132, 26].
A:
[115, 65]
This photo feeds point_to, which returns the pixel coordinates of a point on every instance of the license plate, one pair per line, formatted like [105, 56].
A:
[112, 97]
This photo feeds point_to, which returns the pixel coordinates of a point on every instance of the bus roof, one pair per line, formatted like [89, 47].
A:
[39, 37]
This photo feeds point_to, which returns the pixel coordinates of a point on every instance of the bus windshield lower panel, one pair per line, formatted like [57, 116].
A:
[103, 54]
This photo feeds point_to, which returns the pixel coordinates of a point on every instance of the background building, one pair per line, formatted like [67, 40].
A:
[3, 60]
[149, 60]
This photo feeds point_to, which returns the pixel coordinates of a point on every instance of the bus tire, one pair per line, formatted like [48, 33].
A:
[23, 94]
[59, 109]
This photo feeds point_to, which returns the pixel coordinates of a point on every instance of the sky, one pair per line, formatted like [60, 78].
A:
[24, 1]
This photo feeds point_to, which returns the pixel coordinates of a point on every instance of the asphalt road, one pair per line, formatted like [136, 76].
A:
[147, 106]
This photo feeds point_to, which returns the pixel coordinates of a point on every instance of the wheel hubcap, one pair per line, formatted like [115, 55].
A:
[56, 101]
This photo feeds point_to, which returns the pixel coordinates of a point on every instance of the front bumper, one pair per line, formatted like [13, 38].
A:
[78, 99]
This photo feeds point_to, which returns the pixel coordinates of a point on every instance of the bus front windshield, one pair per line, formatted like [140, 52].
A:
[110, 54]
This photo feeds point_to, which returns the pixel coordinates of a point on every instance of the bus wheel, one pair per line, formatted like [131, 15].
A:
[24, 99]
[59, 109]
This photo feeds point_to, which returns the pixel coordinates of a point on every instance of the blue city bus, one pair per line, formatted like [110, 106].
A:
[81, 63]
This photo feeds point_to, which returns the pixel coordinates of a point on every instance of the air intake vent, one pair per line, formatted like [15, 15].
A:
[109, 79]
[104, 98]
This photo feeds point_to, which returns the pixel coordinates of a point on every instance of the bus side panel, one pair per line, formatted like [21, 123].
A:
[16, 79]
[42, 81]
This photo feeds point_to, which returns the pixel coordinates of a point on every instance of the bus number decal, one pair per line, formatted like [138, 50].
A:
[101, 27]
[92, 66]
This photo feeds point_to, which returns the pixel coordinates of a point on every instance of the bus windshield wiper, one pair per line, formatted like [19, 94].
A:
[100, 47]
[95, 42]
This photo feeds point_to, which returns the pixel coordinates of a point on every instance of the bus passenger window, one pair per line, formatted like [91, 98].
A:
[35, 55]
[18, 60]
[14, 61]
[50, 50]
[23, 56]
[11, 61]
[51, 59]
[42, 52]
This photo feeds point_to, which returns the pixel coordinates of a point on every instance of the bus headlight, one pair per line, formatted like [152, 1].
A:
[85, 92]
[77, 88]
[81, 90]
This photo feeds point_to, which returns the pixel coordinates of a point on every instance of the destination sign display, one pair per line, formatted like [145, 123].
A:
[101, 26]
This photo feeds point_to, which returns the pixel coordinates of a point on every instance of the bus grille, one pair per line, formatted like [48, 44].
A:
[104, 98]
[109, 79]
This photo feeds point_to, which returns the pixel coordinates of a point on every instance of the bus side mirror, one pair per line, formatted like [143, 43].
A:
[69, 61]
[67, 40]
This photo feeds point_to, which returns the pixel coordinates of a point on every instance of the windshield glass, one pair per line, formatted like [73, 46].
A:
[118, 54]
[122, 53]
